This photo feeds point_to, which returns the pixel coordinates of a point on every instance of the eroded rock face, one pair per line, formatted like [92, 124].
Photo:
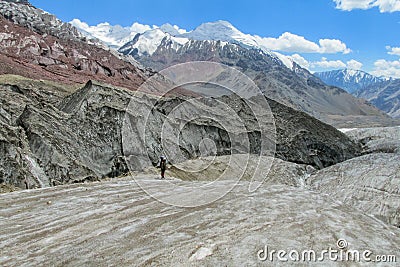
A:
[37, 20]
[79, 137]
[18, 166]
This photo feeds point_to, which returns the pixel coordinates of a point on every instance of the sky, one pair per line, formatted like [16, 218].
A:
[320, 35]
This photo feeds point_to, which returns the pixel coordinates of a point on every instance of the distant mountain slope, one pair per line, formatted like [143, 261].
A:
[295, 87]
[384, 95]
[349, 80]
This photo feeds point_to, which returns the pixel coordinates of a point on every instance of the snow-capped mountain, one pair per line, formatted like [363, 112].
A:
[222, 31]
[382, 92]
[159, 47]
[150, 37]
[147, 42]
[350, 80]
[113, 36]
[295, 87]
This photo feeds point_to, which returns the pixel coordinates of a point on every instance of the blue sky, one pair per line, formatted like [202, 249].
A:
[360, 33]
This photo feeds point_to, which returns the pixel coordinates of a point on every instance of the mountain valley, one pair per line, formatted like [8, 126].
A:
[262, 154]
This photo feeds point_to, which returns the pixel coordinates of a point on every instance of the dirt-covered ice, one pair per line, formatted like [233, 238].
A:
[116, 223]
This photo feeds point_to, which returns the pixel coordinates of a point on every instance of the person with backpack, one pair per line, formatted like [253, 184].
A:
[162, 164]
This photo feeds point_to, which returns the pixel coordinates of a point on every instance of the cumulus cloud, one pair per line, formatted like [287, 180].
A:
[289, 42]
[139, 28]
[393, 50]
[333, 46]
[300, 60]
[386, 68]
[328, 64]
[181, 31]
[354, 64]
[102, 27]
[79, 24]
[383, 5]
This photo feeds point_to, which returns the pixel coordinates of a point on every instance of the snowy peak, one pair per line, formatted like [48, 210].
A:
[221, 31]
[117, 36]
[113, 36]
[173, 30]
[148, 42]
[348, 79]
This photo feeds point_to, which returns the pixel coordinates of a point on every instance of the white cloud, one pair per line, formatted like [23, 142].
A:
[80, 24]
[354, 64]
[181, 31]
[393, 50]
[333, 46]
[289, 42]
[383, 5]
[328, 64]
[139, 28]
[301, 61]
[324, 63]
[387, 68]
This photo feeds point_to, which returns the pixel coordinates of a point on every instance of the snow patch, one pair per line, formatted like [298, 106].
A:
[287, 61]
[37, 172]
[202, 253]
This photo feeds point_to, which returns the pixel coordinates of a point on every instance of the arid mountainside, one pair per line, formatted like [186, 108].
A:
[384, 95]
[294, 87]
[37, 45]
[382, 92]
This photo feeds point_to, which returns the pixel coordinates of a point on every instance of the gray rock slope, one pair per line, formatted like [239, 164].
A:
[379, 139]
[78, 137]
[22, 13]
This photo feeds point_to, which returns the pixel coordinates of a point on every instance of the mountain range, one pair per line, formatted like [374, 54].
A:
[348, 79]
[382, 92]
[278, 77]
[152, 46]
[72, 112]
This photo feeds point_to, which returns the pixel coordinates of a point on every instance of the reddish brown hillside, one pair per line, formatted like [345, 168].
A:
[27, 53]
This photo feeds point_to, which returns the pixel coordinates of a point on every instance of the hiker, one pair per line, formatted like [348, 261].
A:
[162, 164]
